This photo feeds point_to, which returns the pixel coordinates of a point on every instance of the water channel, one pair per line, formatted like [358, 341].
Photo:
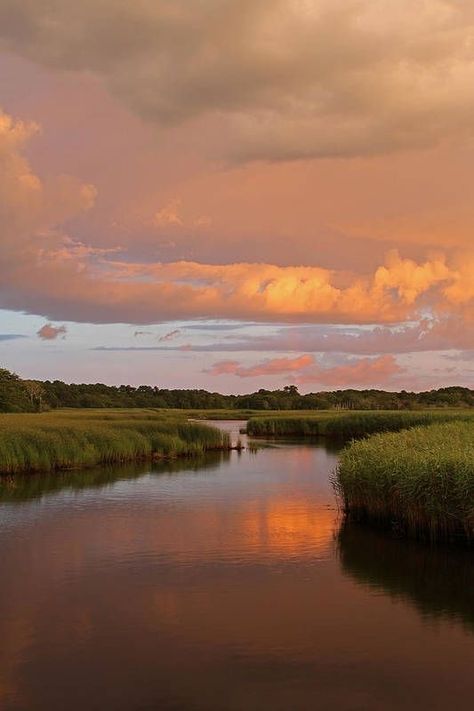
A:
[224, 584]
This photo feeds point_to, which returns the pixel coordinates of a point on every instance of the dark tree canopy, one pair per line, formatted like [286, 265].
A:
[18, 395]
[13, 393]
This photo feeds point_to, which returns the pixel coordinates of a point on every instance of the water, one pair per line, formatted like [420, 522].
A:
[222, 585]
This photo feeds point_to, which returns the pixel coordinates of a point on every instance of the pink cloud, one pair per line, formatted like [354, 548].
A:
[47, 272]
[364, 371]
[403, 80]
[306, 369]
[275, 366]
[48, 332]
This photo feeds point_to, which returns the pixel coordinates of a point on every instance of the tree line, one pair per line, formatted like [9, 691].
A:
[17, 395]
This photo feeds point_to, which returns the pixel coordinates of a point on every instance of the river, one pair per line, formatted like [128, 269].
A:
[225, 584]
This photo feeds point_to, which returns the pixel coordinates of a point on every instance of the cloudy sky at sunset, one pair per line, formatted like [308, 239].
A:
[235, 194]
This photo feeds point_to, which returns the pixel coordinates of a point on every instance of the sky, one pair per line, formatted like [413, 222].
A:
[238, 194]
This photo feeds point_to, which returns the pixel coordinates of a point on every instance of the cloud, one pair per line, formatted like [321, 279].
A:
[467, 355]
[169, 215]
[173, 216]
[45, 271]
[277, 80]
[48, 332]
[363, 371]
[217, 326]
[99, 289]
[429, 334]
[170, 336]
[31, 209]
[306, 369]
[11, 337]
[276, 366]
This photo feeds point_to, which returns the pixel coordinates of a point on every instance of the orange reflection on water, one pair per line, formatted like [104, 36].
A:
[288, 527]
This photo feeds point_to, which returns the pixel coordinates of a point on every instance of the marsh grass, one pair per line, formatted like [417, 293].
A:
[349, 426]
[73, 439]
[419, 482]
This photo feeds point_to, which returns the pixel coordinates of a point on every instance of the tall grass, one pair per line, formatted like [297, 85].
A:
[64, 440]
[349, 426]
[420, 481]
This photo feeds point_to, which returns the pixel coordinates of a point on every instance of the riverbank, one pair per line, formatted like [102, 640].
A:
[412, 472]
[344, 427]
[72, 439]
[418, 482]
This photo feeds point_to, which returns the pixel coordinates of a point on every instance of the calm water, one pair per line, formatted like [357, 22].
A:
[224, 585]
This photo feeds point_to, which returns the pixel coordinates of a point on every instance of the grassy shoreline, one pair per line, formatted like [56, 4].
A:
[418, 482]
[412, 472]
[77, 439]
[343, 426]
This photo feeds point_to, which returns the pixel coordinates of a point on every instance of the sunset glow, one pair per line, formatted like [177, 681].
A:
[234, 195]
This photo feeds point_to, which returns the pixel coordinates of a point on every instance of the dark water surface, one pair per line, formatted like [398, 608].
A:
[222, 585]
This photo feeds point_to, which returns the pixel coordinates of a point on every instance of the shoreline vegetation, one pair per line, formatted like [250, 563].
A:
[344, 427]
[410, 472]
[76, 439]
[417, 482]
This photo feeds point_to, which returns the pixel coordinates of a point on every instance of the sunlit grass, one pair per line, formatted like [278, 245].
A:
[420, 480]
[78, 438]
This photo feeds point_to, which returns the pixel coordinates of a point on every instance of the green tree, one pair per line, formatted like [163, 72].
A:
[13, 394]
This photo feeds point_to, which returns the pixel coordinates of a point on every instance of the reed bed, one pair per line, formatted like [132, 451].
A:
[419, 482]
[349, 426]
[66, 440]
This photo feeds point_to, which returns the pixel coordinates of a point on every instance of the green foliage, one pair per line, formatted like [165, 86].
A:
[420, 480]
[13, 393]
[73, 439]
[25, 396]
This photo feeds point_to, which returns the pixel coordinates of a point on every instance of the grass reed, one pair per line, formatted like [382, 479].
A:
[419, 482]
[73, 439]
[349, 426]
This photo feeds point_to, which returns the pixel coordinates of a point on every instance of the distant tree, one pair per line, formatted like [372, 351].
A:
[13, 394]
[36, 393]
[32, 395]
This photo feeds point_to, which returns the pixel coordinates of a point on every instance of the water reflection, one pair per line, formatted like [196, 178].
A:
[218, 586]
[24, 487]
[439, 581]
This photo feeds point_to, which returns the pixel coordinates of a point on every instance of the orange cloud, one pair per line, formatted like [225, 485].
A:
[31, 209]
[47, 272]
[169, 215]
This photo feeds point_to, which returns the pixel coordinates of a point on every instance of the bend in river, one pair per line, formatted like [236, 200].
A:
[222, 584]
